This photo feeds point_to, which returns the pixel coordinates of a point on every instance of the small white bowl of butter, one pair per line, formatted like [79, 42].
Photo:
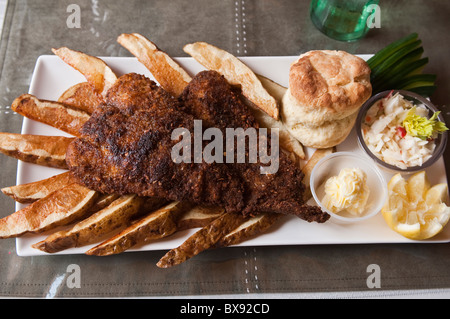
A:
[348, 186]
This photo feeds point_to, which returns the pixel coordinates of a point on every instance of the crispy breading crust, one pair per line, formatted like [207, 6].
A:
[126, 149]
[210, 97]
[126, 146]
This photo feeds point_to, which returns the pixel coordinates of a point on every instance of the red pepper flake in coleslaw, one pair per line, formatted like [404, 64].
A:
[386, 137]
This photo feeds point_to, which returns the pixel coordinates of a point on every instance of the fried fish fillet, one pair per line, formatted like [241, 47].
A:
[126, 145]
[211, 98]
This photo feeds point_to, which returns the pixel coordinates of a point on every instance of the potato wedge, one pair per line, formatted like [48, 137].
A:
[198, 216]
[307, 169]
[248, 229]
[152, 203]
[91, 229]
[58, 115]
[94, 69]
[236, 72]
[31, 192]
[58, 208]
[81, 96]
[202, 240]
[287, 142]
[158, 224]
[37, 149]
[103, 201]
[169, 74]
[273, 88]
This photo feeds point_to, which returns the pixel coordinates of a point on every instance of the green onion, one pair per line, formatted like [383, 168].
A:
[399, 66]
[396, 78]
[396, 56]
[392, 70]
[418, 80]
[381, 55]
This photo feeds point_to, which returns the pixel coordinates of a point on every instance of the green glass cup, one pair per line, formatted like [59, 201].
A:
[343, 20]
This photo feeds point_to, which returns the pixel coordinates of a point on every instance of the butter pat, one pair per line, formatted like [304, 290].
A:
[347, 192]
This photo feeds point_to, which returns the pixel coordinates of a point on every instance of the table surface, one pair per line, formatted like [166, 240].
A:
[244, 28]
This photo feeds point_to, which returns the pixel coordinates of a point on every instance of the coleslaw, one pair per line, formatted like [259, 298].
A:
[393, 130]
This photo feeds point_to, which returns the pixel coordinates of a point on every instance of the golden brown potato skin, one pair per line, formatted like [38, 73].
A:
[31, 192]
[37, 149]
[256, 225]
[58, 208]
[157, 224]
[89, 230]
[82, 96]
[171, 76]
[94, 69]
[56, 114]
[236, 73]
[202, 240]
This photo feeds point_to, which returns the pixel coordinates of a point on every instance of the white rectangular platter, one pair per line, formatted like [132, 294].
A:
[52, 77]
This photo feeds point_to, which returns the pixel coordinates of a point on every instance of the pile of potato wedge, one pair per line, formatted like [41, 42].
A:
[117, 223]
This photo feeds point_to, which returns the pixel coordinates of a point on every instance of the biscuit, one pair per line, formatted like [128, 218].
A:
[325, 86]
[326, 90]
[328, 134]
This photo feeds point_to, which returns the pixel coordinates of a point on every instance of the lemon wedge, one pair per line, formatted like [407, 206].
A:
[415, 209]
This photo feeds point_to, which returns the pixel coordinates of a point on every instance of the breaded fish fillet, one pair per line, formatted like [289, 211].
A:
[126, 148]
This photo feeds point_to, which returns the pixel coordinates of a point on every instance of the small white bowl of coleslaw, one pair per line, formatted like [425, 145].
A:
[401, 131]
